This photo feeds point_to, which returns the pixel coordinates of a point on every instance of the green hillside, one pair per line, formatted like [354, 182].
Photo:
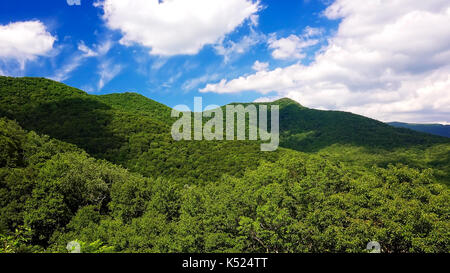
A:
[311, 130]
[105, 170]
[360, 141]
[52, 192]
[108, 127]
[135, 103]
[134, 131]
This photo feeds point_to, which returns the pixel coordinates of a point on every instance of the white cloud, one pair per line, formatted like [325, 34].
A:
[254, 19]
[25, 41]
[87, 52]
[312, 32]
[229, 49]
[260, 66]
[267, 99]
[389, 60]
[108, 71]
[174, 27]
[175, 77]
[193, 83]
[74, 2]
[291, 47]
[63, 73]
[98, 50]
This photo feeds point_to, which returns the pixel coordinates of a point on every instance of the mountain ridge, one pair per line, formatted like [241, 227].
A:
[105, 171]
[134, 131]
[435, 129]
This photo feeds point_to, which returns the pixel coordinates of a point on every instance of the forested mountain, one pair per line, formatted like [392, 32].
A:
[109, 127]
[435, 129]
[311, 130]
[130, 129]
[110, 175]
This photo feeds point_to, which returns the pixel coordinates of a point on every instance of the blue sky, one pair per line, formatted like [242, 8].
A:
[325, 54]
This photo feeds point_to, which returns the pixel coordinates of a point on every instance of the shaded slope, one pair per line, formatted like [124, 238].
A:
[109, 127]
[44, 182]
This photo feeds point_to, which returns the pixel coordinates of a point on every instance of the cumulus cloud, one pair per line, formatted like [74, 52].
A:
[260, 66]
[174, 27]
[25, 41]
[292, 47]
[389, 60]
[312, 32]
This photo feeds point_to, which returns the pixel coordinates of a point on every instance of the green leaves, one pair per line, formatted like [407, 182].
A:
[318, 206]
[210, 196]
[17, 241]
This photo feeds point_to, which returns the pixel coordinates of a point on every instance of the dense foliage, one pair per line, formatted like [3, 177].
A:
[44, 182]
[137, 190]
[134, 137]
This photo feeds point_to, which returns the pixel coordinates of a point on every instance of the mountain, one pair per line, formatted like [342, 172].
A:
[358, 140]
[52, 193]
[310, 130]
[307, 129]
[109, 127]
[434, 129]
[72, 115]
[134, 131]
[105, 171]
[136, 103]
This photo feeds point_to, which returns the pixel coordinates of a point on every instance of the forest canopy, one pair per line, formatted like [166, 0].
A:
[104, 171]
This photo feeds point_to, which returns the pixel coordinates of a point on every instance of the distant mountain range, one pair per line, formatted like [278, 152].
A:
[435, 129]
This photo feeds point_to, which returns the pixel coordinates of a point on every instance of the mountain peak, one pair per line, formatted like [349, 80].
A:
[287, 101]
